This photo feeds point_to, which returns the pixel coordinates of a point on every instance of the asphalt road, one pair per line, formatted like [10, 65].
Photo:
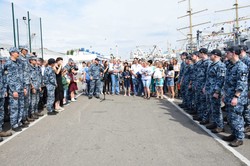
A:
[120, 131]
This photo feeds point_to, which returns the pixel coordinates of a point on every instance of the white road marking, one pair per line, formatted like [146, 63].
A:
[7, 139]
[218, 139]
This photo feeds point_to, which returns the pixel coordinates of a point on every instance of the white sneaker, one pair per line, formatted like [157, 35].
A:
[61, 108]
[171, 100]
[73, 100]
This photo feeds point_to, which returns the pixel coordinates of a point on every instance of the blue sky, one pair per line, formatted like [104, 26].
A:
[105, 24]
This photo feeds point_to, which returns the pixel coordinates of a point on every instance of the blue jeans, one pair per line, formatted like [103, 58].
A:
[137, 86]
[115, 84]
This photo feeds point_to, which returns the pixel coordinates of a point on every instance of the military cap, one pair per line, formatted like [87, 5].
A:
[97, 59]
[203, 50]
[51, 61]
[184, 54]
[13, 49]
[243, 47]
[195, 53]
[216, 52]
[234, 49]
[71, 60]
[189, 57]
[32, 58]
[23, 48]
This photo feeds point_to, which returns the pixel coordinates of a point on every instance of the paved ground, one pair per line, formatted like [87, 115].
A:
[123, 131]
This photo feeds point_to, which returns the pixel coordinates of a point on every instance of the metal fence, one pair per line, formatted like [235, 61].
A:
[19, 27]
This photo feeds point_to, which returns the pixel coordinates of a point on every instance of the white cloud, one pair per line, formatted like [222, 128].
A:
[103, 24]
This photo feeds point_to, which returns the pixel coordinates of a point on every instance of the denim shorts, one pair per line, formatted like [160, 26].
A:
[159, 82]
[146, 83]
[170, 82]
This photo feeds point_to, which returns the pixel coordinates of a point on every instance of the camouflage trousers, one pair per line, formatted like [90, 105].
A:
[26, 103]
[34, 99]
[50, 98]
[95, 86]
[236, 120]
[246, 114]
[16, 107]
[214, 111]
[1, 113]
[200, 102]
[187, 97]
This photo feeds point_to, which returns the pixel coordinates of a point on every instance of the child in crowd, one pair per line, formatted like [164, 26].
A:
[126, 75]
[170, 80]
[159, 80]
[65, 82]
[73, 84]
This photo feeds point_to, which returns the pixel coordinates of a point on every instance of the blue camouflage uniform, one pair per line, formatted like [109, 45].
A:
[201, 97]
[36, 85]
[182, 71]
[26, 70]
[214, 84]
[236, 80]
[50, 83]
[194, 84]
[15, 82]
[187, 95]
[3, 90]
[95, 71]
[246, 113]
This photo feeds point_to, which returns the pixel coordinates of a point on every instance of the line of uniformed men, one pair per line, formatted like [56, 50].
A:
[22, 81]
[207, 81]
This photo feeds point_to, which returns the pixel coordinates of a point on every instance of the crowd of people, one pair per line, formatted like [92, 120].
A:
[138, 78]
[28, 84]
[204, 80]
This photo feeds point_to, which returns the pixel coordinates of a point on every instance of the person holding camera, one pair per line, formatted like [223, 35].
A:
[59, 89]
[95, 72]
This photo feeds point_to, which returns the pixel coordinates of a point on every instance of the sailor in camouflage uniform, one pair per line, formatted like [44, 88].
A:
[235, 99]
[95, 72]
[194, 82]
[187, 95]
[51, 84]
[200, 80]
[25, 61]
[3, 94]
[182, 71]
[244, 57]
[213, 88]
[17, 88]
[35, 87]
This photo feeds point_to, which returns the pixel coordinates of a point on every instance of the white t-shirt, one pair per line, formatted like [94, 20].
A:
[135, 68]
[158, 73]
[146, 73]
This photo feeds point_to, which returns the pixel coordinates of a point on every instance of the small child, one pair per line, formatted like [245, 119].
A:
[65, 82]
[126, 75]
[170, 81]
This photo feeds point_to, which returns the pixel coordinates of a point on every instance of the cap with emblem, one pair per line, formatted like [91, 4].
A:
[189, 57]
[32, 58]
[13, 49]
[216, 52]
[203, 50]
[243, 47]
[184, 54]
[234, 49]
[195, 53]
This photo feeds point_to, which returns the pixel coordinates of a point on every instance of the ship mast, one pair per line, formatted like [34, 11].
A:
[237, 27]
[191, 45]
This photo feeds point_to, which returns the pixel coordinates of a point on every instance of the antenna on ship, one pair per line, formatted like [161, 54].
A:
[236, 29]
[191, 45]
